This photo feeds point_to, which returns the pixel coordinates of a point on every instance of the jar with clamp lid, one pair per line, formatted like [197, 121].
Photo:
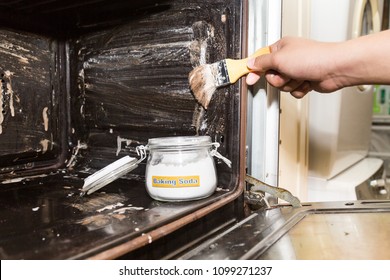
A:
[181, 168]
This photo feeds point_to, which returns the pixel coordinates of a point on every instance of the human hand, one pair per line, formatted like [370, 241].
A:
[298, 66]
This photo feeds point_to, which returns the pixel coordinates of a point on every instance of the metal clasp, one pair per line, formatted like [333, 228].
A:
[216, 154]
[141, 152]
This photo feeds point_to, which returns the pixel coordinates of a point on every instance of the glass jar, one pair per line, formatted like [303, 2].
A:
[180, 168]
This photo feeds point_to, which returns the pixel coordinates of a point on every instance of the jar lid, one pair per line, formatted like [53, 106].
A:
[179, 142]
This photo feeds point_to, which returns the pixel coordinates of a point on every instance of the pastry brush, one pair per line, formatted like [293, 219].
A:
[206, 78]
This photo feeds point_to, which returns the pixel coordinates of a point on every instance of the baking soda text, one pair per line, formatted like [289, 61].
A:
[175, 181]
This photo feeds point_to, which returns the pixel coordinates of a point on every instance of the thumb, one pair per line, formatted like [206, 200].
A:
[260, 63]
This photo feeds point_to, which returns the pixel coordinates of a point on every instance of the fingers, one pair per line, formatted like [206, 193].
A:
[277, 80]
[252, 79]
[301, 90]
[298, 89]
[268, 65]
[258, 66]
[260, 63]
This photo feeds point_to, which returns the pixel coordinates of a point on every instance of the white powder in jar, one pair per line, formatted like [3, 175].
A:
[181, 176]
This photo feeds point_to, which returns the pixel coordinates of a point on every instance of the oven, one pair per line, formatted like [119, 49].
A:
[85, 83]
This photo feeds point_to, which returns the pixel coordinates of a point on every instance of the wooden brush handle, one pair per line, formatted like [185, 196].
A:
[262, 51]
[237, 67]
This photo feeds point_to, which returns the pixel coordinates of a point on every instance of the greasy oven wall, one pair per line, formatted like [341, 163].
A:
[133, 81]
[84, 84]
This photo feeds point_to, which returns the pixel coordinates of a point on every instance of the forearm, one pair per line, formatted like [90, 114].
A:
[365, 60]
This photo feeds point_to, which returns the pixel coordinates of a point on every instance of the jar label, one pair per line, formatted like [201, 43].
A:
[175, 181]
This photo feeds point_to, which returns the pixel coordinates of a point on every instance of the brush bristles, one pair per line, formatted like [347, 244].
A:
[202, 84]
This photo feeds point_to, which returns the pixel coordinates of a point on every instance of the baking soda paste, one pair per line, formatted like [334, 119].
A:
[184, 170]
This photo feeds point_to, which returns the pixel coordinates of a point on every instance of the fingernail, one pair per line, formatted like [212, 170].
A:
[251, 63]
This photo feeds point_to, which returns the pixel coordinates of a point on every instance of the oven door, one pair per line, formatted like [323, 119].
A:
[317, 231]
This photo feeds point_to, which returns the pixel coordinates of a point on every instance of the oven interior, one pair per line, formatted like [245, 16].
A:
[83, 83]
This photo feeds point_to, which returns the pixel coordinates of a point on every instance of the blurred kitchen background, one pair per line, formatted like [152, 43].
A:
[324, 147]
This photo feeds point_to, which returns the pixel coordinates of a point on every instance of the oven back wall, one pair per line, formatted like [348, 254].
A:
[132, 82]
[85, 83]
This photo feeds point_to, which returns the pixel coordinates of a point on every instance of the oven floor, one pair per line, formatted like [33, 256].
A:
[45, 218]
